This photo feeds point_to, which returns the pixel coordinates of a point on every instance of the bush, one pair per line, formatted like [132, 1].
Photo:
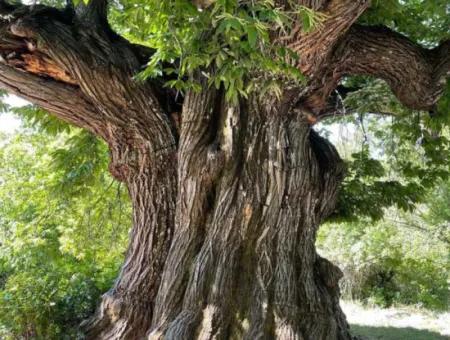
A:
[387, 263]
[46, 307]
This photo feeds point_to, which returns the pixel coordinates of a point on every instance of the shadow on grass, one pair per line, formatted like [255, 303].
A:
[392, 333]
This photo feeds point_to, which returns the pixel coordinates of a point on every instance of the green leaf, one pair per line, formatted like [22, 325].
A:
[252, 36]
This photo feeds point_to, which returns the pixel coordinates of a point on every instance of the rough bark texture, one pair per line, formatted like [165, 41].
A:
[126, 310]
[242, 263]
[227, 199]
[417, 76]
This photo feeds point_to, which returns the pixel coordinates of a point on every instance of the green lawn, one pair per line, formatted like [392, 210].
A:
[392, 333]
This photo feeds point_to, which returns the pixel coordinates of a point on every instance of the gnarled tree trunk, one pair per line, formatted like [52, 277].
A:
[227, 202]
[242, 263]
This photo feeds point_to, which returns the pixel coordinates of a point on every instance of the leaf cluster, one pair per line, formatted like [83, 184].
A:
[229, 42]
[398, 154]
[424, 21]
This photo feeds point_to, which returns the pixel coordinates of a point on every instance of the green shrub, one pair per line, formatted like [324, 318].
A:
[389, 262]
[49, 306]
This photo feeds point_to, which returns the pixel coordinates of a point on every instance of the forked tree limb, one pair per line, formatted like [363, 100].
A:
[315, 47]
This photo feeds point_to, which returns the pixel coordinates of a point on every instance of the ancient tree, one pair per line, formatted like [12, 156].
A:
[227, 194]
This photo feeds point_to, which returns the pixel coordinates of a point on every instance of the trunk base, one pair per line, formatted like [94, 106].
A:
[118, 317]
[249, 269]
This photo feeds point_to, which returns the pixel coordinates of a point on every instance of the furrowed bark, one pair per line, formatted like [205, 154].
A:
[65, 101]
[199, 162]
[245, 265]
[30, 74]
[126, 310]
[315, 47]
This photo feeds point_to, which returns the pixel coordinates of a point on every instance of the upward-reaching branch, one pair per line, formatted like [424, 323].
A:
[315, 47]
[96, 12]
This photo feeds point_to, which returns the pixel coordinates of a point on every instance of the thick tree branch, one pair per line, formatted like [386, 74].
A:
[52, 44]
[34, 76]
[62, 100]
[315, 47]
[416, 75]
[22, 54]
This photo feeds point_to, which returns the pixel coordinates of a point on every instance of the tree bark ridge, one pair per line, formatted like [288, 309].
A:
[127, 309]
[248, 272]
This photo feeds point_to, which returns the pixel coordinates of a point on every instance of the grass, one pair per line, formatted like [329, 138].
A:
[392, 333]
[396, 323]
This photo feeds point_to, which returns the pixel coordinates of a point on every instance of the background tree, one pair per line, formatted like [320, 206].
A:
[227, 179]
[401, 258]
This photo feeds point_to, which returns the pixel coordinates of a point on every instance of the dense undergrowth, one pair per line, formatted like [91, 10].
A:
[401, 260]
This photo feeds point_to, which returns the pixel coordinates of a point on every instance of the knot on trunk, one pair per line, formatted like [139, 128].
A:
[119, 171]
[328, 273]
[125, 161]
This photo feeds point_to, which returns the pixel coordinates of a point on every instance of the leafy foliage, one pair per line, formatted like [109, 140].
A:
[62, 232]
[425, 21]
[399, 162]
[396, 154]
[35, 117]
[228, 41]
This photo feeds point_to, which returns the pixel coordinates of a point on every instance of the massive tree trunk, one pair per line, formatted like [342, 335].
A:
[242, 263]
[228, 198]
